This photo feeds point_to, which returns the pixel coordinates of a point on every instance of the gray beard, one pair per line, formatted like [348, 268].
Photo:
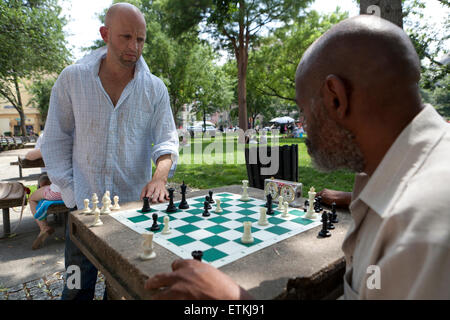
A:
[339, 152]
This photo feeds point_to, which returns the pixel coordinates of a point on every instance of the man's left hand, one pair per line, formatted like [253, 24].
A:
[156, 191]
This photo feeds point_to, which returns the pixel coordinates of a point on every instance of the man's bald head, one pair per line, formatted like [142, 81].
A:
[366, 52]
[122, 8]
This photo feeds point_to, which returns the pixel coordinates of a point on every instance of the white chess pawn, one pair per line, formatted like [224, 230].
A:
[116, 203]
[218, 207]
[97, 222]
[285, 210]
[280, 203]
[166, 229]
[147, 246]
[263, 217]
[94, 205]
[86, 206]
[247, 236]
[244, 196]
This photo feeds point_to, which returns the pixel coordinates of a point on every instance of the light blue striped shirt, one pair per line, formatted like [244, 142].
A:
[91, 146]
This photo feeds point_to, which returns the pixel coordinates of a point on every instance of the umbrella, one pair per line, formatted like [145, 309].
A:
[283, 120]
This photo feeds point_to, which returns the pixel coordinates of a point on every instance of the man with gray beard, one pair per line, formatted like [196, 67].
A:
[357, 86]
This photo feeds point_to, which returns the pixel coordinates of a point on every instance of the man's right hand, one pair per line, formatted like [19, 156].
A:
[341, 198]
[194, 280]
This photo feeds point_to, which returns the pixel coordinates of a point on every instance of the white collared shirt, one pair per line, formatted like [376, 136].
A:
[398, 245]
[92, 146]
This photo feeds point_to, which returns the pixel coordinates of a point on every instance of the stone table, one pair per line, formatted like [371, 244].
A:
[301, 267]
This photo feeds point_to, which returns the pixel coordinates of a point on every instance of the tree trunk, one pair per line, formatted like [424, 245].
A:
[242, 59]
[390, 10]
[19, 107]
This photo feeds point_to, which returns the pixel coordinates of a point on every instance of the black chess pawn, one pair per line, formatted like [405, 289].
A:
[333, 213]
[324, 232]
[171, 207]
[183, 204]
[206, 209]
[330, 225]
[155, 226]
[197, 255]
[146, 207]
[211, 200]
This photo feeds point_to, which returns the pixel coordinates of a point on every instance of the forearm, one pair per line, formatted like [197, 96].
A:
[163, 165]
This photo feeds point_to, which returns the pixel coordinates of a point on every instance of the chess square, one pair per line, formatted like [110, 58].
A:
[196, 245]
[302, 221]
[200, 234]
[225, 195]
[219, 220]
[204, 223]
[177, 223]
[181, 240]
[216, 229]
[138, 219]
[232, 224]
[187, 228]
[274, 220]
[214, 240]
[180, 215]
[255, 241]
[213, 254]
[231, 247]
[192, 219]
[233, 215]
[277, 230]
[245, 205]
[263, 235]
[291, 225]
[246, 212]
[243, 219]
[231, 234]
[195, 211]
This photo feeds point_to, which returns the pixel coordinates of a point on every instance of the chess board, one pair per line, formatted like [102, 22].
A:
[219, 235]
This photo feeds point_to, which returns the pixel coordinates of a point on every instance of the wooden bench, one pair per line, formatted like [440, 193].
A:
[25, 163]
[4, 145]
[5, 205]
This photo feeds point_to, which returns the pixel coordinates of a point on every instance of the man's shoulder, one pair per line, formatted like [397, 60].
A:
[153, 83]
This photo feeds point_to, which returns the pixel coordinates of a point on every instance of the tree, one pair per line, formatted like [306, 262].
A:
[32, 43]
[41, 90]
[235, 25]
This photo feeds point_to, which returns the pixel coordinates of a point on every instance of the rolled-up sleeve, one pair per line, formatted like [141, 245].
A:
[164, 132]
[57, 144]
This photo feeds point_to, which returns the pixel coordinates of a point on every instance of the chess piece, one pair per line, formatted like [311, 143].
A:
[146, 207]
[211, 200]
[183, 204]
[171, 207]
[311, 214]
[330, 225]
[334, 218]
[197, 255]
[218, 207]
[166, 229]
[94, 205]
[285, 210]
[97, 222]
[106, 201]
[247, 236]
[324, 232]
[244, 196]
[206, 209]
[263, 217]
[86, 206]
[155, 226]
[269, 204]
[207, 200]
[147, 246]
[116, 203]
[280, 203]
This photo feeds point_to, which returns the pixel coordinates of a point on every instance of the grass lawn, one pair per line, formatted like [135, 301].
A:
[215, 164]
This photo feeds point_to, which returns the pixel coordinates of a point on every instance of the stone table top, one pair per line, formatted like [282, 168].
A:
[114, 250]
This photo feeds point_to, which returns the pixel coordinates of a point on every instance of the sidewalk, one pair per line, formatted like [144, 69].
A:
[27, 274]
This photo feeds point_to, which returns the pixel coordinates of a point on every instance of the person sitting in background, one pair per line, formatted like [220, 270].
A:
[47, 191]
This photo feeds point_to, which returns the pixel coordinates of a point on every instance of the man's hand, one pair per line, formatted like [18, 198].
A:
[156, 190]
[341, 198]
[192, 279]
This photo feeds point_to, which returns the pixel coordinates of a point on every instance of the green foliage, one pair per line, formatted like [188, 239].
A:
[32, 43]
[41, 90]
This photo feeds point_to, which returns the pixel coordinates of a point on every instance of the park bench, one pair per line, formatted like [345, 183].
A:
[19, 141]
[25, 163]
[11, 143]
[4, 145]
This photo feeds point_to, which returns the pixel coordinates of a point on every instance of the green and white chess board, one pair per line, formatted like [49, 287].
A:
[219, 235]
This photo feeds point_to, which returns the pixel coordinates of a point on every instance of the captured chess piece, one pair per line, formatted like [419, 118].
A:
[147, 246]
[95, 208]
[206, 206]
[324, 232]
[171, 207]
[183, 204]
[197, 255]
[106, 201]
[116, 203]
[211, 200]
[86, 206]
[97, 222]
[155, 226]
[146, 207]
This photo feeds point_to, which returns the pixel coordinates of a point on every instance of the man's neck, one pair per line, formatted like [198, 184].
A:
[115, 70]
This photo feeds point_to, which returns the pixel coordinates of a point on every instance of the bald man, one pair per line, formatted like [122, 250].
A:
[357, 86]
[109, 117]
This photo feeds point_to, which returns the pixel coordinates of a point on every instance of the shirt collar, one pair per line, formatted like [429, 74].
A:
[402, 160]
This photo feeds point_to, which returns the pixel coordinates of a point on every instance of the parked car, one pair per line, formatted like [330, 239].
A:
[210, 130]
